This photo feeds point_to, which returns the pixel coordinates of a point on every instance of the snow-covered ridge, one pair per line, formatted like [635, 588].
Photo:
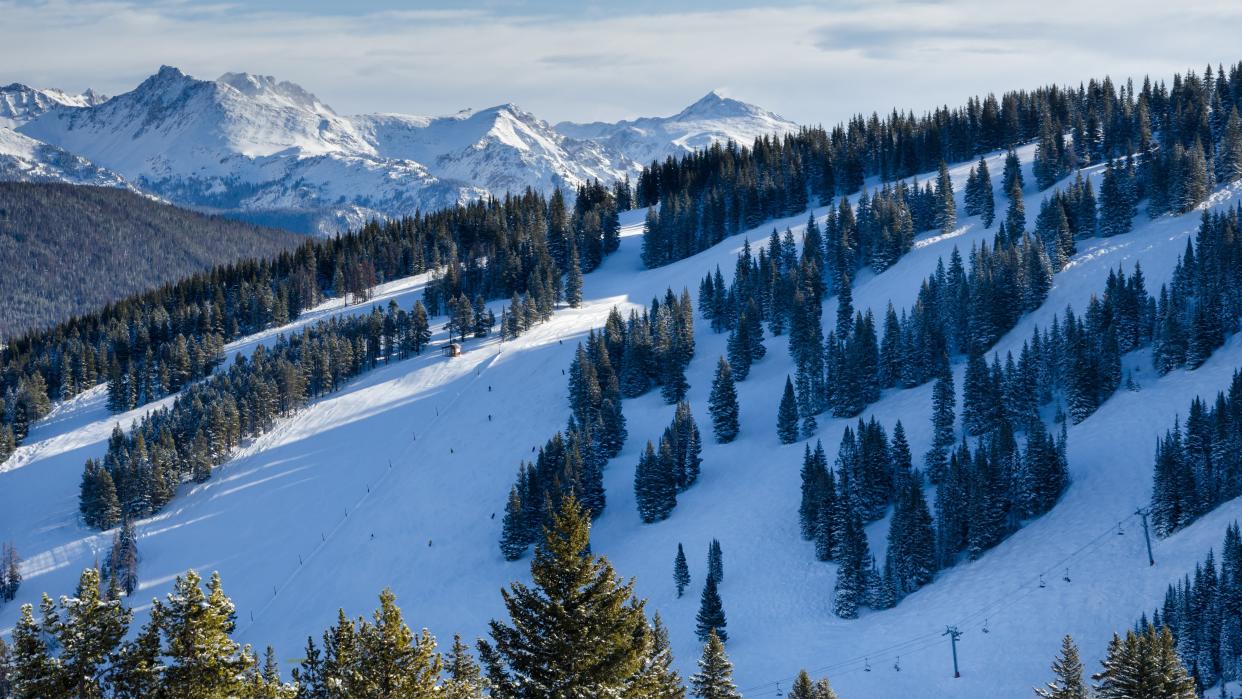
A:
[714, 118]
[253, 145]
[20, 103]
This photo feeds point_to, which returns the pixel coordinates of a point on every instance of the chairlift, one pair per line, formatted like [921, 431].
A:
[897, 665]
[985, 626]
[1120, 530]
[1041, 581]
[1067, 577]
[866, 665]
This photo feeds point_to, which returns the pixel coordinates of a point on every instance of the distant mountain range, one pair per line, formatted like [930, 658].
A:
[253, 147]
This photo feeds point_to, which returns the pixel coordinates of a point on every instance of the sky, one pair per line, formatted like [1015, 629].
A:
[812, 62]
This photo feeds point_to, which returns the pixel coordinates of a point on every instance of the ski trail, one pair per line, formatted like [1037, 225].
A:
[326, 538]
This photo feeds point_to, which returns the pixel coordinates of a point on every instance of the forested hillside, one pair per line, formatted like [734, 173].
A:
[69, 249]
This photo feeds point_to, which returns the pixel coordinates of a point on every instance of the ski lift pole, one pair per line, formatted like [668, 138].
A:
[1143, 512]
[953, 634]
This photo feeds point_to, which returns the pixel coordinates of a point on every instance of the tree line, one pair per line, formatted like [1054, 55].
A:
[577, 630]
[625, 359]
[1203, 611]
[1178, 140]
[1198, 465]
[155, 343]
[141, 469]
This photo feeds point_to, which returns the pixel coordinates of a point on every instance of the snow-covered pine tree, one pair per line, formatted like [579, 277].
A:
[593, 646]
[814, 476]
[714, 680]
[804, 688]
[1067, 667]
[853, 559]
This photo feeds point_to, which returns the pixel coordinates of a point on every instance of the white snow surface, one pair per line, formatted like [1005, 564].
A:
[20, 103]
[252, 144]
[394, 481]
[713, 119]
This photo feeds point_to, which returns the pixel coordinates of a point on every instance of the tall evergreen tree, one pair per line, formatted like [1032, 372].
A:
[715, 561]
[657, 679]
[787, 415]
[722, 404]
[1067, 667]
[711, 617]
[203, 661]
[714, 680]
[681, 571]
[946, 209]
[578, 631]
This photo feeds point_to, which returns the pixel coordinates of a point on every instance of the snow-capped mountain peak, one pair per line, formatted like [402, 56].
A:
[267, 87]
[714, 105]
[20, 103]
[252, 144]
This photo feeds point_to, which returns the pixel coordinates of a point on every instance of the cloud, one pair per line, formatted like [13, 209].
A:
[814, 62]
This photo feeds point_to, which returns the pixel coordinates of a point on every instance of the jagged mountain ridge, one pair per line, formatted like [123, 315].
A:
[259, 148]
[20, 103]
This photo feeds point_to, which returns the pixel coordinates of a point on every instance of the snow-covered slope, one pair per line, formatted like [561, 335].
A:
[714, 118]
[394, 481]
[255, 146]
[24, 159]
[500, 149]
[20, 103]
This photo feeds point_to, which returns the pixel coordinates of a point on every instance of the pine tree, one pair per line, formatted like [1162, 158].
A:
[714, 680]
[513, 537]
[203, 660]
[578, 631]
[1229, 161]
[911, 539]
[395, 662]
[35, 674]
[804, 688]
[722, 404]
[787, 415]
[1144, 665]
[715, 561]
[657, 679]
[655, 484]
[943, 400]
[1015, 216]
[1116, 205]
[465, 679]
[986, 199]
[814, 478]
[850, 590]
[1012, 173]
[88, 636]
[946, 209]
[1068, 670]
[681, 571]
[138, 666]
[123, 559]
[573, 278]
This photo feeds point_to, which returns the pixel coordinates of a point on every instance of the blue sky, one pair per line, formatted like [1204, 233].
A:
[814, 62]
